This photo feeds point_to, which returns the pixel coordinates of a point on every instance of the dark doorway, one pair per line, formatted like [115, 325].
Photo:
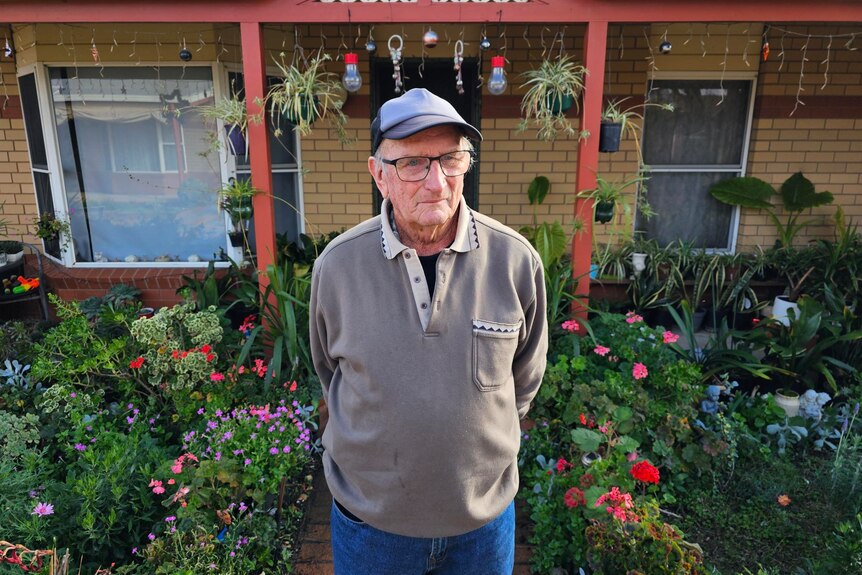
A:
[437, 77]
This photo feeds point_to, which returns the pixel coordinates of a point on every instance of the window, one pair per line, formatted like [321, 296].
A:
[139, 174]
[701, 142]
[284, 157]
[38, 153]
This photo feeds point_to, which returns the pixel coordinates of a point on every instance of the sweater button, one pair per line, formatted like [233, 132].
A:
[416, 279]
[407, 255]
[424, 306]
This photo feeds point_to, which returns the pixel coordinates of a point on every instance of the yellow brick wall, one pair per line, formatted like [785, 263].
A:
[826, 151]
[336, 185]
[17, 197]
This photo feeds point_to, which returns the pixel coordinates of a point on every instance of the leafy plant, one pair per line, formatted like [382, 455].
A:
[797, 194]
[49, 227]
[786, 433]
[548, 89]
[305, 93]
[614, 113]
[236, 199]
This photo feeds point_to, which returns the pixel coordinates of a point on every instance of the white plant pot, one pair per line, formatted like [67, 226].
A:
[779, 309]
[638, 262]
[15, 258]
[789, 403]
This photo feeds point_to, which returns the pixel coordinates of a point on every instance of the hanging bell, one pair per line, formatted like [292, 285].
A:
[665, 47]
[484, 43]
[185, 55]
[370, 46]
[430, 39]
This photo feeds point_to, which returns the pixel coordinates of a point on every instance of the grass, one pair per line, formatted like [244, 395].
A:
[740, 524]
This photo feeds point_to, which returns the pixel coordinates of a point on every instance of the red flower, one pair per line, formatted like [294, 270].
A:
[645, 471]
[574, 497]
[583, 419]
[563, 465]
[136, 363]
[587, 480]
[210, 356]
[206, 348]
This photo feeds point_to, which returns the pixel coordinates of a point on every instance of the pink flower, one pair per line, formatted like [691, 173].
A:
[158, 489]
[669, 337]
[43, 509]
[570, 326]
[171, 481]
[601, 350]
[632, 456]
[177, 468]
[215, 376]
[632, 317]
[639, 371]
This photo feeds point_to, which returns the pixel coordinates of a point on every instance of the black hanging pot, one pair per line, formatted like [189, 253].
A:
[604, 211]
[609, 137]
[236, 140]
[236, 238]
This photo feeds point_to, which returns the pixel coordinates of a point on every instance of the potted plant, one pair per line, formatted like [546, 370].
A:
[306, 93]
[50, 228]
[797, 194]
[231, 112]
[551, 90]
[236, 198]
[618, 122]
[607, 194]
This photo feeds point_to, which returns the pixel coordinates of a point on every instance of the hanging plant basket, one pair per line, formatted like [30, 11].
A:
[236, 140]
[609, 137]
[604, 211]
[559, 105]
[236, 238]
[308, 112]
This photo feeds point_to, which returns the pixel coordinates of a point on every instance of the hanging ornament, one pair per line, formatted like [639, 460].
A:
[185, 53]
[395, 56]
[764, 48]
[430, 38]
[458, 61]
[8, 51]
[351, 80]
[94, 52]
[497, 81]
[665, 47]
[484, 43]
[370, 44]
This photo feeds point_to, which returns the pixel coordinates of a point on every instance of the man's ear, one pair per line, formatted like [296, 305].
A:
[376, 171]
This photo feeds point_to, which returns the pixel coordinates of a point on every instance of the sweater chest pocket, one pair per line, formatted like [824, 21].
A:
[494, 347]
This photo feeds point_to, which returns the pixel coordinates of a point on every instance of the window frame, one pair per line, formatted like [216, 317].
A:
[58, 189]
[731, 169]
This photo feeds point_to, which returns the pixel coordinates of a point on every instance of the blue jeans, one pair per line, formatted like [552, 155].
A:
[360, 549]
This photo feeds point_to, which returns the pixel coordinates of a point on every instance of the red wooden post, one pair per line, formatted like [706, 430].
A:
[254, 69]
[595, 43]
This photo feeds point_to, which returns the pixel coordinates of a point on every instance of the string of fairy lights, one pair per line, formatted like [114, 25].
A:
[73, 38]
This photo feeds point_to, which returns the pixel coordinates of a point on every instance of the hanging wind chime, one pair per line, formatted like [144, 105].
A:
[458, 61]
[395, 56]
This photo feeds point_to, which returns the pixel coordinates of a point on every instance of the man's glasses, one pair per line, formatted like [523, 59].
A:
[416, 168]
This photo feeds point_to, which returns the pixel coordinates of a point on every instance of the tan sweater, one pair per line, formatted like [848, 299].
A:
[425, 396]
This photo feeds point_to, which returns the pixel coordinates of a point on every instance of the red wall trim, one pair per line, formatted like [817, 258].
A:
[822, 107]
[426, 11]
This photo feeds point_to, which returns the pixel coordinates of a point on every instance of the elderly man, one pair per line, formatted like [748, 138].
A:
[428, 332]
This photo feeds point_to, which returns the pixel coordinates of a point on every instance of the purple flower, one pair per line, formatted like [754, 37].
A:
[201, 411]
[273, 450]
[134, 550]
[131, 406]
[151, 536]
[247, 462]
[73, 395]
[43, 509]
[227, 435]
[212, 424]
[242, 506]
[80, 447]
[170, 519]
[218, 456]
[286, 449]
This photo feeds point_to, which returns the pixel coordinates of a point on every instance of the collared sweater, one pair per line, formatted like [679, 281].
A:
[425, 394]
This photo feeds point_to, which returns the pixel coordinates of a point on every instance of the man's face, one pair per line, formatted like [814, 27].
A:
[430, 202]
